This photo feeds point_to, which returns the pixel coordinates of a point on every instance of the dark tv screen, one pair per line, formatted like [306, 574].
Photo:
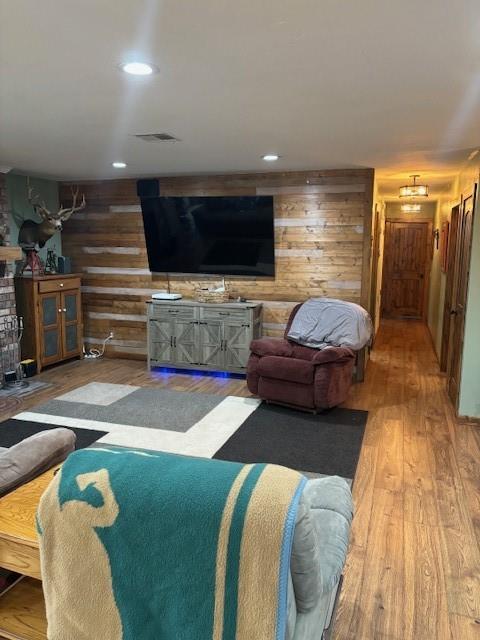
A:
[217, 235]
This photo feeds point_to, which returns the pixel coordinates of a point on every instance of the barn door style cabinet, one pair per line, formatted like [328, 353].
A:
[187, 334]
[52, 314]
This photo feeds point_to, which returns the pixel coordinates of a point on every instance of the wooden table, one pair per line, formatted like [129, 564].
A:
[22, 609]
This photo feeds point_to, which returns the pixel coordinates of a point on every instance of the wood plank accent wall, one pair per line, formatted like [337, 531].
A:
[322, 247]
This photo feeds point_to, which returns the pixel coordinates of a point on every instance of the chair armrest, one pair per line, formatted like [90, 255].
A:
[333, 354]
[34, 455]
[271, 347]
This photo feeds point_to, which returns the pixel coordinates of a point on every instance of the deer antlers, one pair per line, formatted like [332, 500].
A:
[38, 207]
[63, 213]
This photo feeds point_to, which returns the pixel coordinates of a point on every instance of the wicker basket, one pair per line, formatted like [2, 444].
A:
[204, 295]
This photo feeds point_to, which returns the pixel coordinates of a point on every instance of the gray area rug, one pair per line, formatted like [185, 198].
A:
[145, 407]
[207, 425]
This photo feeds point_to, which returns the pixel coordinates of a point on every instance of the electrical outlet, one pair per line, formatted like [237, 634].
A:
[110, 335]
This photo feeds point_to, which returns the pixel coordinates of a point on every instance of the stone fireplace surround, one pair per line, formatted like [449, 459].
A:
[7, 288]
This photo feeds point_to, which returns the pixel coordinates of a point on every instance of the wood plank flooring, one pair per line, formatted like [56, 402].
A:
[413, 569]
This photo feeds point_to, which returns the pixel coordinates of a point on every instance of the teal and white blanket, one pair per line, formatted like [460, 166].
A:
[141, 546]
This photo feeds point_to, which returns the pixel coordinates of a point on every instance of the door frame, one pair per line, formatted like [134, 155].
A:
[455, 401]
[428, 260]
[450, 285]
[375, 263]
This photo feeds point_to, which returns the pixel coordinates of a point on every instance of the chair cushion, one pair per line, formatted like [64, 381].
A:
[320, 356]
[320, 541]
[290, 369]
[271, 347]
[31, 457]
[303, 353]
[305, 560]
[333, 354]
[331, 513]
[330, 493]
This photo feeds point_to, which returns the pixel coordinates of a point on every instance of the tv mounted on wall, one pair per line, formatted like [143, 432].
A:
[210, 235]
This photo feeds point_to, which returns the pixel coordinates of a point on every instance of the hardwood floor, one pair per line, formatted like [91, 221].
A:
[413, 569]
[414, 560]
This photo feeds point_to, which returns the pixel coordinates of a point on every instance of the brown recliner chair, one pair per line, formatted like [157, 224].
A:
[288, 373]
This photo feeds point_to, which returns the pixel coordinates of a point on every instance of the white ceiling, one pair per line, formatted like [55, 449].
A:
[324, 83]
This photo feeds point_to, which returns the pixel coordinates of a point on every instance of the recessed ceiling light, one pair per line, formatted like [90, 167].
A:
[138, 68]
[119, 165]
[270, 157]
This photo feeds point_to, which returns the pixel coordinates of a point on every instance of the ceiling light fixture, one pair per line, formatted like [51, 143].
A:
[411, 208]
[138, 68]
[270, 157]
[414, 190]
[119, 165]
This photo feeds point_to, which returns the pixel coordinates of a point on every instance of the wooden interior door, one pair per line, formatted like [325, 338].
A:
[406, 268]
[459, 298]
[448, 306]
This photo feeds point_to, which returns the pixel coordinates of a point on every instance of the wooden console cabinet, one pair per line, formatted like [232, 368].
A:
[52, 315]
[187, 334]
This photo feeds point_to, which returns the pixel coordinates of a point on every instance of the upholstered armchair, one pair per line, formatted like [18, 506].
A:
[282, 371]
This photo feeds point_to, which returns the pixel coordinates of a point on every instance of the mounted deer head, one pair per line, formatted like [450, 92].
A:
[32, 233]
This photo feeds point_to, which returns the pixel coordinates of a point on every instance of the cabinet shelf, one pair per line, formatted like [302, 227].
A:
[22, 612]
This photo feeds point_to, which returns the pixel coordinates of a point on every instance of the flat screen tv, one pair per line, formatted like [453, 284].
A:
[210, 235]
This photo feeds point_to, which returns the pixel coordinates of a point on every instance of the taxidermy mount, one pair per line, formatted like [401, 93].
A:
[31, 233]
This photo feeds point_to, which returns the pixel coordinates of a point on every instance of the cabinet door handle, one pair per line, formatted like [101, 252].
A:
[171, 341]
[175, 341]
[223, 313]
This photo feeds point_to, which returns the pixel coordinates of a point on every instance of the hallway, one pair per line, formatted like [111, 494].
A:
[414, 564]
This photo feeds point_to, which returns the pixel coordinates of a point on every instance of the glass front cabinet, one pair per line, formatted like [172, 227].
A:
[51, 308]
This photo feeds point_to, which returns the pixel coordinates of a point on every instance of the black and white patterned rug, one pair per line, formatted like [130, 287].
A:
[198, 424]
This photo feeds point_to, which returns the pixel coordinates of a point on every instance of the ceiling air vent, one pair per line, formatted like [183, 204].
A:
[156, 137]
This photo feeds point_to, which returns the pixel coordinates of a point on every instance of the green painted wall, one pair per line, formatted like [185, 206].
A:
[20, 209]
